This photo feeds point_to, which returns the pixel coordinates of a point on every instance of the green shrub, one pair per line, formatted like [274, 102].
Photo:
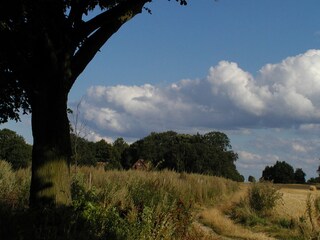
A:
[140, 212]
[263, 197]
[253, 209]
[244, 214]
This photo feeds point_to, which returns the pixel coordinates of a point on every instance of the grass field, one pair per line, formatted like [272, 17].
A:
[123, 205]
[295, 216]
[156, 205]
[294, 200]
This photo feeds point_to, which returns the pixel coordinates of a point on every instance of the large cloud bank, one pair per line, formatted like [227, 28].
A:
[281, 95]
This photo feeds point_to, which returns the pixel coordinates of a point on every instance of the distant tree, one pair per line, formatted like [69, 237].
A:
[238, 178]
[103, 151]
[130, 155]
[314, 180]
[280, 172]
[268, 174]
[251, 179]
[299, 176]
[86, 151]
[14, 149]
[118, 148]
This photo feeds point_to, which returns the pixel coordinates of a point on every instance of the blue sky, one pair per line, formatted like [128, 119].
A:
[249, 68]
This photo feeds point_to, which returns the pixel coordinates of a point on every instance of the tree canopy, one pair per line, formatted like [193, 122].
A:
[210, 153]
[54, 35]
[282, 172]
[90, 153]
[299, 176]
[14, 149]
[39, 30]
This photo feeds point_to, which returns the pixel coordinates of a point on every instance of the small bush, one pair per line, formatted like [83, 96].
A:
[245, 215]
[253, 209]
[263, 197]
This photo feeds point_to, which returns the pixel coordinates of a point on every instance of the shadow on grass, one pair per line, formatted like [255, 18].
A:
[46, 224]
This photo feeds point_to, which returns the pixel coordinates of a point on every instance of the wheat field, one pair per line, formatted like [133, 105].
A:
[294, 200]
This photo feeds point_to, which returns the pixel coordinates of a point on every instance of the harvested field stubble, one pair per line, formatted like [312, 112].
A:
[294, 199]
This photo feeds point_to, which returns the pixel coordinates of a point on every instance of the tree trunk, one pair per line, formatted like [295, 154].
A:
[50, 183]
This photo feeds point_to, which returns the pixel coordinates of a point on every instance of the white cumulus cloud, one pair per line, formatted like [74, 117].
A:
[229, 81]
[284, 94]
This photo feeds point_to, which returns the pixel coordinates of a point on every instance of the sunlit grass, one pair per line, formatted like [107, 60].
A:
[116, 205]
[154, 205]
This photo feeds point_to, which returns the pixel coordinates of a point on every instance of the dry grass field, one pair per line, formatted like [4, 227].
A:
[223, 227]
[294, 200]
[182, 206]
[291, 209]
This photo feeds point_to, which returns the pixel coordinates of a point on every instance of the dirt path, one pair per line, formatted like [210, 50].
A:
[209, 234]
[218, 226]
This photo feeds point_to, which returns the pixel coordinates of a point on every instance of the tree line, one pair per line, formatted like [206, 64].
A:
[283, 172]
[14, 149]
[210, 153]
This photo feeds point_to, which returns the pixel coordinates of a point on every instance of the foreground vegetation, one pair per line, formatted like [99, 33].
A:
[159, 205]
[111, 205]
[267, 211]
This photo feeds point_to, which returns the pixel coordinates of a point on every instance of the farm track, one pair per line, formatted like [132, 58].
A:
[215, 218]
[210, 234]
[217, 226]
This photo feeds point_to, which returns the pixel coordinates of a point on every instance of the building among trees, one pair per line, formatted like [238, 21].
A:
[140, 165]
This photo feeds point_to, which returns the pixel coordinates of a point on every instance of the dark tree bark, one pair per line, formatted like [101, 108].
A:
[50, 184]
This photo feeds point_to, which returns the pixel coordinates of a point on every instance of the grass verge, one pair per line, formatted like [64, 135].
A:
[114, 205]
